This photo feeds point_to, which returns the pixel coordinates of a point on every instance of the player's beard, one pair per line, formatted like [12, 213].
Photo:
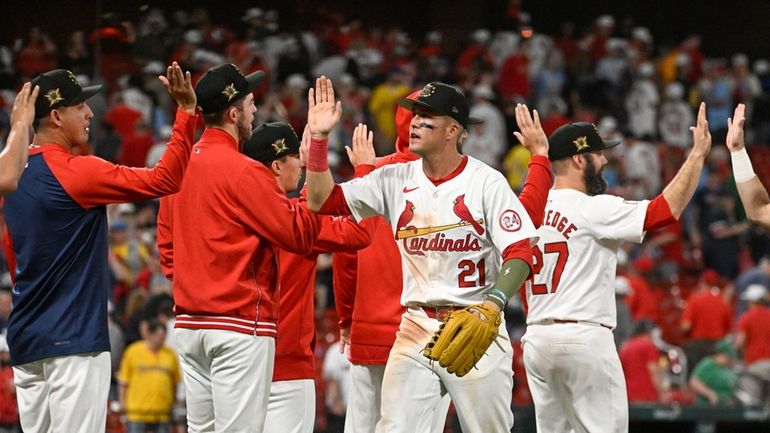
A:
[593, 179]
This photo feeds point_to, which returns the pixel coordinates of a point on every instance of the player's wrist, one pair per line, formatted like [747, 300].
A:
[497, 297]
[318, 155]
[742, 169]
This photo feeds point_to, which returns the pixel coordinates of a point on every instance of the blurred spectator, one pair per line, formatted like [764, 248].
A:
[149, 374]
[9, 410]
[38, 54]
[753, 336]
[475, 58]
[122, 117]
[756, 275]
[133, 152]
[706, 319]
[641, 367]
[515, 166]
[157, 149]
[625, 324]
[642, 301]
[382, 105]
[336, 369]
[550, 82]
[716, 230]
[713, 379]
[642, 103]
[717, 90]
[76, 56]
[746, 84]
[108, 145]
[486, 141]
[760, 116]
[676, 117]
[643, 168]
[513, 80]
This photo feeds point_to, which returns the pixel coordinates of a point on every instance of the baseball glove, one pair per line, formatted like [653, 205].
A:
[463, 338]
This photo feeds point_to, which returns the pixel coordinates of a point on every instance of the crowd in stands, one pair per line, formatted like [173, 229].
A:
[693, 304]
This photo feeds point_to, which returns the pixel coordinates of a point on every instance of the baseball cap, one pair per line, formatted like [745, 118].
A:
[754, 293]
[726, 348]
[576, 138]
[223, 86]
[444, 100]
[60, 88]
[270, 142]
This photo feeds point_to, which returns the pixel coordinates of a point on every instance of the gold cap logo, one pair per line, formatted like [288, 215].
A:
[581, 143]
[53, 96]
[280, 146]
[427, 91]
[230, 92]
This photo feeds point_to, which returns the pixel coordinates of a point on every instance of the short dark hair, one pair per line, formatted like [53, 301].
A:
[218, 119]
[153, 325]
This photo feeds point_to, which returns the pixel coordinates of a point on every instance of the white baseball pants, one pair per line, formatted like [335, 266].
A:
[575, 378]
[292, 407]
[363, 409]
[227, 378]
[65, 394]
[413, 386]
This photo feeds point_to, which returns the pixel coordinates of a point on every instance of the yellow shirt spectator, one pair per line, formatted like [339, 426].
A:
[150, 379]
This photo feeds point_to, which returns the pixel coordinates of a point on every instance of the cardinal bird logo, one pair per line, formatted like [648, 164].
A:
[405, 218]
[461, 210]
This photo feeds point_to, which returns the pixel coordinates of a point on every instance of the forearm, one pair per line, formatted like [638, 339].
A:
[681, 188]
[700, 388]
[755, 200]
[512, 275]
[14, 157]
[122, 395]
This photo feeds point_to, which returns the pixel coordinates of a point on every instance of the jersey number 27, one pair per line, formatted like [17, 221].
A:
[562, 254]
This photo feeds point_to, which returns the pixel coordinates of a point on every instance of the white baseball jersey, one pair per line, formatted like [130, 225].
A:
[451, 236]
[575, 257]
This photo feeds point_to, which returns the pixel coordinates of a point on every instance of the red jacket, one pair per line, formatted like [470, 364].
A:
[218, 239]
[295, 346]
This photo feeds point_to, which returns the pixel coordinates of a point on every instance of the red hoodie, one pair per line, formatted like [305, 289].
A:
[358, 278]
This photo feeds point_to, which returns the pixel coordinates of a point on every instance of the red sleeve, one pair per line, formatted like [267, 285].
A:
[520, 250]
[658, 214]
[345, 275]
[342, 234]
[272, 215]
[743, 323]
[651, 354]
[165, 238]
[363, 169]
[92, 181]
[335, 204]
[10, 257]
[534, 194]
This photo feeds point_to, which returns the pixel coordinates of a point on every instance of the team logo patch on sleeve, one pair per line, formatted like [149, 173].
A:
[510, 221]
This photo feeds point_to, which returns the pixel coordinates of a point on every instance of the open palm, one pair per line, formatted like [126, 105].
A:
[323, 113]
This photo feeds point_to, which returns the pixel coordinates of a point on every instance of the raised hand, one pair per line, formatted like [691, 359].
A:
[362, 151]
[700, 133]
[532, 135]
[24, 105]
[735, 129]
[179, 85]
[323, 113]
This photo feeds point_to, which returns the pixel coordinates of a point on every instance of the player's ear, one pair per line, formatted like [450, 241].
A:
[275, 167]
[578, 160]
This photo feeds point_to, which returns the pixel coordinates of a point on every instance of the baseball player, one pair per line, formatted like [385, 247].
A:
[572, 364]
[13, 158]
[291, 408]
[373, 325]
[57, 223]
[369, 328]
[465, 244]
[753, 194]
[218, 239]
